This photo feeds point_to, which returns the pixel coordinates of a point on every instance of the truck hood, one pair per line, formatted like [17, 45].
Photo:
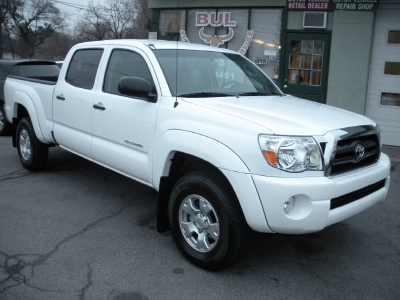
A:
[286, 115]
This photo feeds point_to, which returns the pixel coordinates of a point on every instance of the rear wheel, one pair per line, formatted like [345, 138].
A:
[32, 152]
[206, 220]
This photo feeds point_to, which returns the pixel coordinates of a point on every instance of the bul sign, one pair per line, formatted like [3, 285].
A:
[214, 19]
[217, 19]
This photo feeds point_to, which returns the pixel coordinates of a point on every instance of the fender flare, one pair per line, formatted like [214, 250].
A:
[217, 154]
[27, 102]
[206, 148]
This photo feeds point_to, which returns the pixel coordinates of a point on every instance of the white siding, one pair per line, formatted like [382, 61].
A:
[387, 117]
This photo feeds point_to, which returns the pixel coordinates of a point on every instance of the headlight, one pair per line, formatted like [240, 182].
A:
[292, 154]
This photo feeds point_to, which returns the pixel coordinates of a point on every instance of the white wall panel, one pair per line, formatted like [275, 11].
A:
[387, 117]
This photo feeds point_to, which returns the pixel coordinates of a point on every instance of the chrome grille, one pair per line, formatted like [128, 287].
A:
[359, 148]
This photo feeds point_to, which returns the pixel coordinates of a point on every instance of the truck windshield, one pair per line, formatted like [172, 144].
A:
[198, 74]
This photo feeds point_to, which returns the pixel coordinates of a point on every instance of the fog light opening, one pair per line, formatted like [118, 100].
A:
[288, 205]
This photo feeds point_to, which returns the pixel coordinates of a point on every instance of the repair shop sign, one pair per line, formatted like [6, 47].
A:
[360, 5]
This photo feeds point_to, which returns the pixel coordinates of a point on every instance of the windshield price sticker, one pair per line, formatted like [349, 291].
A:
[225, 75]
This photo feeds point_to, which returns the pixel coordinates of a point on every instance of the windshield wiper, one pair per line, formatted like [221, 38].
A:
[204, 94]
[258, 94]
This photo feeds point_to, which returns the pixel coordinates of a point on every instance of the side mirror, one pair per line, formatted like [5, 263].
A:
[136, 87]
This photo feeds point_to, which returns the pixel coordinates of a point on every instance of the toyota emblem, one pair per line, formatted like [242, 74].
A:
[359, 151]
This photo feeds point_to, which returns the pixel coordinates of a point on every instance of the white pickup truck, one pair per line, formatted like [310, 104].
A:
[207, 129]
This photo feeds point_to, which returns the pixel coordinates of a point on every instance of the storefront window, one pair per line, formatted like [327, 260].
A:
[266, 25]
[241, 18]
[171, 22]
[193, 30]
[257, 38]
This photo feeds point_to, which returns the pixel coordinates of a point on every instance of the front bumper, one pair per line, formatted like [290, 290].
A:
[312, 209]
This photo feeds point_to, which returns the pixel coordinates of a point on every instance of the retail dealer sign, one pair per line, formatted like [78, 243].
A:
[309, 5]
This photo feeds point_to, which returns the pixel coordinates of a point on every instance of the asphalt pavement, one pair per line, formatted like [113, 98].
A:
[79, 231]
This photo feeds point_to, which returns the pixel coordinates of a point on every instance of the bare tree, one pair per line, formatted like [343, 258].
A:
[111, 20]
[4, 24]
[56, 47]
[92, 27]
[116, 19]
[143, 19]
[2, 21]
[31, 22]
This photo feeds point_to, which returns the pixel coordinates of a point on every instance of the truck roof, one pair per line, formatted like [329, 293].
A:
[156, 44]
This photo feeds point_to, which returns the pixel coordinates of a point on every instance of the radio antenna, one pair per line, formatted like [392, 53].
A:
[176, 65]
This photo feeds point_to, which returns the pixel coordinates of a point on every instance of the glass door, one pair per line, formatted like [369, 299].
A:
[306, 58]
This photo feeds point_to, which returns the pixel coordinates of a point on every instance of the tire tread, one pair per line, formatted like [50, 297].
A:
[40, 151]
[238, 228]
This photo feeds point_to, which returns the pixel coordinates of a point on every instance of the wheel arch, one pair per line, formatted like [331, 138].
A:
[178, 154]
[22, 108]
[179, 144]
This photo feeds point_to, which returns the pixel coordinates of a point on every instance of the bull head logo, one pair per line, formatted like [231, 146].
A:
[215, 40]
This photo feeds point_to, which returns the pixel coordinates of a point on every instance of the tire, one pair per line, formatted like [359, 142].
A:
[5, 126]
[32, 152]
[206, 220]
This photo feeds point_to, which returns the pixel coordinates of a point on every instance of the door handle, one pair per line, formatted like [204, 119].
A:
[60, 97]
[99, 106]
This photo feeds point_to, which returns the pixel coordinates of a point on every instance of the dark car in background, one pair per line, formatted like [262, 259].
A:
[37, 69]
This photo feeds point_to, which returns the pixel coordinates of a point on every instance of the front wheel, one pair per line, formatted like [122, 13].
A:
[206, 220]
[32, 152]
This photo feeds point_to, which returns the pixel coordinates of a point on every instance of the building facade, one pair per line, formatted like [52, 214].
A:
[345, 53]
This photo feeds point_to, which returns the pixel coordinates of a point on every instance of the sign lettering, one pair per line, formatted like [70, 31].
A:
[360, 5]
[214, 19]
[309, 5]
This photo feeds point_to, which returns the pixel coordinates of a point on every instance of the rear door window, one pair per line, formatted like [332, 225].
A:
[83, 68]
